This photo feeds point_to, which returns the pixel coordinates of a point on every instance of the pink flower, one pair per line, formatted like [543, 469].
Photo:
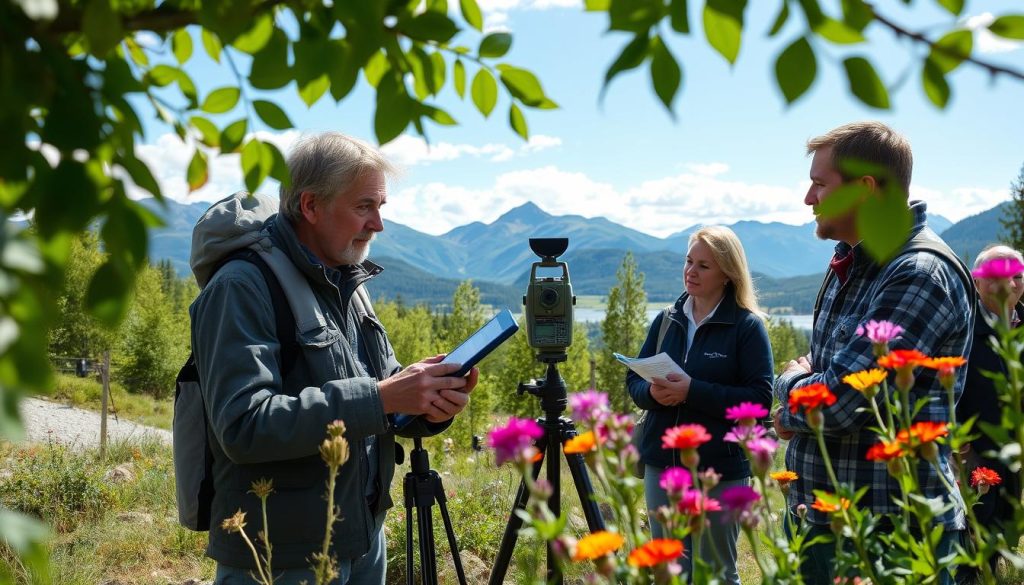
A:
[514, 441]
[746, 413]
[739, 498]
[675, 481]
[743, 434]
[880, 332]
[999, 268]
[693, 502]
[588, 405]
[615, 428]
[762, 450]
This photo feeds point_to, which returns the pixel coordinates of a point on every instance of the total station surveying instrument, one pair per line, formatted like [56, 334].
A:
[548, 306]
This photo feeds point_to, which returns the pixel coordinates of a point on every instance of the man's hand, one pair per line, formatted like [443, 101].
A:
[781, 431]
[800, 365]
[670, 390]
[424, 388]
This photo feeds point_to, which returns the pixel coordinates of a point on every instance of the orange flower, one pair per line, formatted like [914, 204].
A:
[985, 476]
[885, 451]
[584, 443]
[785, 477]
[866, 379]
[655, 552]
[944, 364]
[811, 397]
[596, 545]
[685, 437]
[902, 358]
[829, 504]
[924, 431]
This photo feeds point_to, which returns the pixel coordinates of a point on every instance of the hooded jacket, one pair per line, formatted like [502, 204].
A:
[730, 362]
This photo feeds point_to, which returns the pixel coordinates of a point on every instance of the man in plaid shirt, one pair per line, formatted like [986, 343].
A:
[920, 291]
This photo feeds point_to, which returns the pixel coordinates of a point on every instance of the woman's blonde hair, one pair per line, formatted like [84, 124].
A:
[728, 253]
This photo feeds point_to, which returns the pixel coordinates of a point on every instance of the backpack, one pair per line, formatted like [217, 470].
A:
[232, 229]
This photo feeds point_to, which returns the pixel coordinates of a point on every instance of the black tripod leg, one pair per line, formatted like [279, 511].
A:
[508, 539]
[428, 565]
[585, 489]
[409, 579]
[442, 503]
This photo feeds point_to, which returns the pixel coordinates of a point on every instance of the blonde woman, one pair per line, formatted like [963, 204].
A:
[715, 333]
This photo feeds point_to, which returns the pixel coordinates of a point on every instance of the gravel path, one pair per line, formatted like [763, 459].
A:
[45, 421]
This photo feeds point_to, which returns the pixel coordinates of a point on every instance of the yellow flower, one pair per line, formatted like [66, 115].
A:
[584, 443]
[864, 380]
[596, 545]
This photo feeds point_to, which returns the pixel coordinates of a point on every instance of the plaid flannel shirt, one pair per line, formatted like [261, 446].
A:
[918, 291]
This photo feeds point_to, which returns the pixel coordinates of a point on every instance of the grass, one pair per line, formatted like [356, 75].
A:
[88, 393]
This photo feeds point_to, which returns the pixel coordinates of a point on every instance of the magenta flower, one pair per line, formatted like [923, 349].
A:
[514, 441]
[746, 413]
[614, 428]
[739, 498]
[880, 332]
[675, 481]
[999, 268]
[762, 453]
[588, 405]
[693, 502]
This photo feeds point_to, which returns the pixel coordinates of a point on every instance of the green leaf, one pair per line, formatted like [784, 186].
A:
[375, 68]
[418, 61]
[256, 37]
[72, 213]
[935, 85]
[108, 294]
[438, 72]
[723, 26]
[883, 221]
[255, 166]
[951, 50]
[315, 89]
[484, 92]
[124, 234]
[1010, 26]
[208, 132]
[524, 86]
[181, 45]
[278, 165]
[438, 115]
[632, 55]
[345, 70]
[665, 73]
[198, 173]
[163, 75]
[140, 174]
[635, 16]
[679, 16]
[781, 19]
[394, 109]
[270, 69]
[955, 7]
[272, 115]
[221, 100]
[138, 56]
[857, 14]
[101, 25]
[459, 78]
[597, 5]
[495, 45]
[232, 136]
[518, 122]
[795, 69]
[428, 26]
[471, 12]
[838, 32]
[865, 83]
[842, 200]
[212, 44]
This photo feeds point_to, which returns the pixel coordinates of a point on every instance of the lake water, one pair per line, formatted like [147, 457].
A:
[597, 315]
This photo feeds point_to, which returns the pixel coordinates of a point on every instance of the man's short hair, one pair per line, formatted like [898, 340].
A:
[868, 142]
[326, 165]
[997, 250]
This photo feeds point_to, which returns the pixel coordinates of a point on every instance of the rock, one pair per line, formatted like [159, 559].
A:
[135, 517]
[121, 474]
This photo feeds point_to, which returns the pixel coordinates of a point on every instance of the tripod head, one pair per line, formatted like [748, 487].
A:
[551, 389]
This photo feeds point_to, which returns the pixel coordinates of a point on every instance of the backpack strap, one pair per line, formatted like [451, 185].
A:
[663, 329]
[305, 309]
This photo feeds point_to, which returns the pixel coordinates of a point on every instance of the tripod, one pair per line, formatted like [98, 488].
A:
[557, 430]
[422, 488]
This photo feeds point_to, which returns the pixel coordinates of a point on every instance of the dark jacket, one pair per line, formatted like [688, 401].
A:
[263, 426]
[730, 363]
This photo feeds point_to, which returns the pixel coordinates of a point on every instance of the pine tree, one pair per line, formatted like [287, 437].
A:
[1013, 220]
[623, 330]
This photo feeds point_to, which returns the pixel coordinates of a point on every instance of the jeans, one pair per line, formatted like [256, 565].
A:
[818, 564]
[718, 540]
[369, 569]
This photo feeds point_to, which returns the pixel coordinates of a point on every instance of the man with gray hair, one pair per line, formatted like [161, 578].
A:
[268, 414]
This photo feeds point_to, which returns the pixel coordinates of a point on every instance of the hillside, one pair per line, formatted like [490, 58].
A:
[969, 236]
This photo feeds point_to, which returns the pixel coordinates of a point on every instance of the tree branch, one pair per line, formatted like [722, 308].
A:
[900, 31]
[159, 20]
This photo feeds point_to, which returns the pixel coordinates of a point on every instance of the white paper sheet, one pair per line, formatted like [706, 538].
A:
[659, 365]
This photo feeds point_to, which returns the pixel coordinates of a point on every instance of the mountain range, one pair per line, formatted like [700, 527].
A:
[786, 259]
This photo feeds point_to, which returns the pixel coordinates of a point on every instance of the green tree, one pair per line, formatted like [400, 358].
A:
[787, 342]
[1013, 219]
[466, 316]
[77, 333]
[410, 330]
[152, 345]
[623, 331]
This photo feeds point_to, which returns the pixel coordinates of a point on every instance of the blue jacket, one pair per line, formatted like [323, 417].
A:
[730, 362]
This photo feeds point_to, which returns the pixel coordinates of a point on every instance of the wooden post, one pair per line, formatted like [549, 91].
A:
[105, 373]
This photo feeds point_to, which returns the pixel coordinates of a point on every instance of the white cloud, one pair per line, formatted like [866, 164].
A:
[409, 150]
[496, 12]
[958, 203]
[986, 42]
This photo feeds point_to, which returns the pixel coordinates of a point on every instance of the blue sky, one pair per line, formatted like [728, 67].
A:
[734, 152]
